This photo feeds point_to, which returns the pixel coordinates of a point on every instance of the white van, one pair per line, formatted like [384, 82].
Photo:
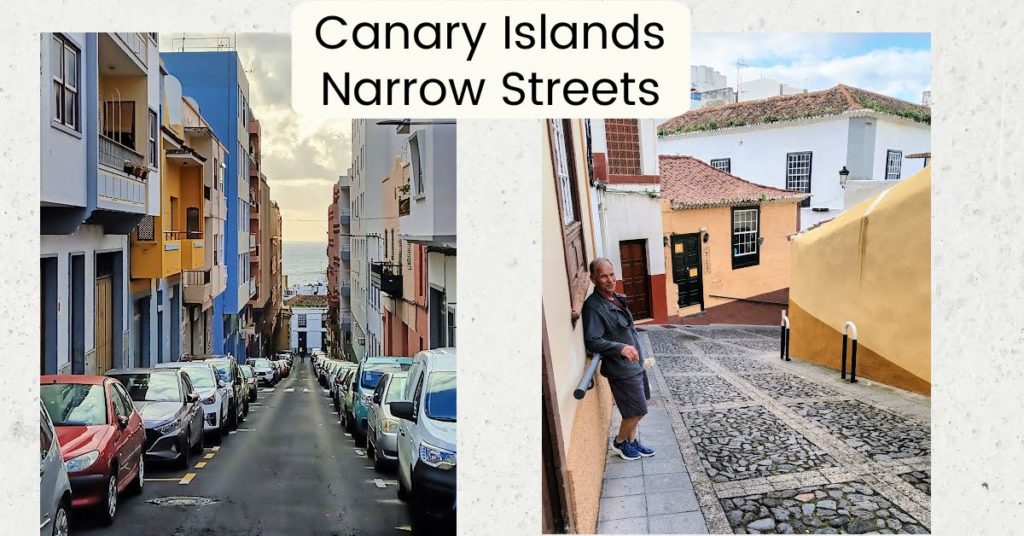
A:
[426, 437]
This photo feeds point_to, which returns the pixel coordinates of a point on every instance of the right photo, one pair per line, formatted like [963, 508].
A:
[737, 300]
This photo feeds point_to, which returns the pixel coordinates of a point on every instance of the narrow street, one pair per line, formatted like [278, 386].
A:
[289, 469]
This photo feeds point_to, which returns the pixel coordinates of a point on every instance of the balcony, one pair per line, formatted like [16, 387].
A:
[346, 217]
[346, 253]
[137, 44]
[346, 289]
[387, 277]
[346, 321]
[252, 241]
[193, 252]
[252, 287]
[121, 181]
[198, 287]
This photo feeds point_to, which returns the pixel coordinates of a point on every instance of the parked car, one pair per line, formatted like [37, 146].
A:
[264, 370]
[370, 371]
[426, 437]
[249, 376]
[213, 393]
[381, 426]
[54, 486]
[347, 398]
[171, 412]
[238, 390]
[101, 438]
[336, 381]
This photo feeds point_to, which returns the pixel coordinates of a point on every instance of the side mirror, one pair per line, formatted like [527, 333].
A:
[220, 383]
[122, 421]
[376, 399]
[402, 410]
[192, 397]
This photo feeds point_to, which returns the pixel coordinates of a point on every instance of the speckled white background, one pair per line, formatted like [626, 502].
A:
[977, 238]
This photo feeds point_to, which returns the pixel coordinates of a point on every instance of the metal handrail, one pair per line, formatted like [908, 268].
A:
[784, 328]
[847, 328]
[587, 381]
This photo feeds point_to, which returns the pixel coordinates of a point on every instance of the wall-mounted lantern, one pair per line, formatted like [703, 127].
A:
[844, 175]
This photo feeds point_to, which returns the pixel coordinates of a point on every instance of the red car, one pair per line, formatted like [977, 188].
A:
[101, 438]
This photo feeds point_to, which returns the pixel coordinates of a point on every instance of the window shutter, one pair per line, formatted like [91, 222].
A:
[569, 203]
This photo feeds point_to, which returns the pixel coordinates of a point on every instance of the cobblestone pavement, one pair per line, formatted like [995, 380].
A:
[786, 446]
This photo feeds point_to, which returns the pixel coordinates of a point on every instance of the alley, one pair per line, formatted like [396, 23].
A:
[771, 445]
[288, 469]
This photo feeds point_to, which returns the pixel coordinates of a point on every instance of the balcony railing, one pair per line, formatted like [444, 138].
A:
[252, 287]
[346, 217]
[346, 253]
[174, 235]
[387, 277]
[122, 158]
[196, 277]
[404, 206]
[137, 43]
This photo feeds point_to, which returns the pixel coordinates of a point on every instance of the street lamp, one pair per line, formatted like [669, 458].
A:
[844, 174]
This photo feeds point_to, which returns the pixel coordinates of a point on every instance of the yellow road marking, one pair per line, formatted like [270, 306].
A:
[209, 455]
[187, 478]
[162, 479]
[200, 465]
[215, 449]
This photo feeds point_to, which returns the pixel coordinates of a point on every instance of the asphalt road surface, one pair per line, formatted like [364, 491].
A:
[289, 469]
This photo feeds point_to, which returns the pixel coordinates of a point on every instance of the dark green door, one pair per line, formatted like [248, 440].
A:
[686, 269]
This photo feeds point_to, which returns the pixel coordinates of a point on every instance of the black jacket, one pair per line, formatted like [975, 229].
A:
[606, 331]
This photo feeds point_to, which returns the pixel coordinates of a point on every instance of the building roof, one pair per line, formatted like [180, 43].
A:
[307, 300]
[687, 182]
[920, 155]
[828, 102]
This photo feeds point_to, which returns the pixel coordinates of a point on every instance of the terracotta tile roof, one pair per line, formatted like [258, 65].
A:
[690, 183]
[306, 300]
[832, 101]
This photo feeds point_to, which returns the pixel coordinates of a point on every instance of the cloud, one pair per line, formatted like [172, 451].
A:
[817, 61]
[302, 156]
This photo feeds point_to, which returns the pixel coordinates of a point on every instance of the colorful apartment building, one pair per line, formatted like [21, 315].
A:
[339, 255]
[99, 177]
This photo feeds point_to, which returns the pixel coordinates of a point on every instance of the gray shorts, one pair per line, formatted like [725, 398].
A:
[631, 394]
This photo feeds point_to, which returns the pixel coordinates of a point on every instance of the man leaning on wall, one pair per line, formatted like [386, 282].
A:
[608, 330]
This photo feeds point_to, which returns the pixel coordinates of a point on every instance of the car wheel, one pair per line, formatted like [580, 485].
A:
[371, 452]
[60, 520]
[200, 444]
[232, 416]
[218, 434]
[109, 507]
[403, 493]
[348, 425]
[183, 458]
[135, 488]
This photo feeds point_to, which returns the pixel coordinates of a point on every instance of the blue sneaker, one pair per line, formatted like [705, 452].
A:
[642, 450]
[626, 449]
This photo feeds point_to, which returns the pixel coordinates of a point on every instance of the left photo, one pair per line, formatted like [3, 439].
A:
[247, 316]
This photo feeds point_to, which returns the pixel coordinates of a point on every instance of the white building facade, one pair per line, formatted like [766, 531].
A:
[802, 142]
[308, 326]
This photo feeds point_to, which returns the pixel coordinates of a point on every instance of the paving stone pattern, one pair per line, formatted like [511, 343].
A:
[921, 480]
[781, 385]
[750, 442]
[876, 433]
[694, 390]
[670, 342]
[681, 365]
[740, 363]
[758, 344]
[848, 507]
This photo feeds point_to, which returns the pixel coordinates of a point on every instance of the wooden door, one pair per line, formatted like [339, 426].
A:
[104, 324]
[635, 280]
[686, 269]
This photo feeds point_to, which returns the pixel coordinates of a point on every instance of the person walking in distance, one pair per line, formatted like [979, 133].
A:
[608, 329]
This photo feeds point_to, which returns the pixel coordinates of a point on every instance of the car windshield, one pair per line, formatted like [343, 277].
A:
[151, 387]
[372, 373]
[396, 389]
[72, 404]
[261, 363]
[246, 371]
[223, 370]
[441, 396]
[202, 377]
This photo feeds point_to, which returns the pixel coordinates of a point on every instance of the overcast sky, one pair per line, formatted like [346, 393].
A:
[302, 156]
[894, 64]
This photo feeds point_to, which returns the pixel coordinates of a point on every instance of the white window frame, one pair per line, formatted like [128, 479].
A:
[62, 84]
[747, 237]
[416, 159]
[893, 166]
[717, 164]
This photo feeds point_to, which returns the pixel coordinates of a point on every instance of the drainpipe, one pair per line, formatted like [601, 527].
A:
[849, 331]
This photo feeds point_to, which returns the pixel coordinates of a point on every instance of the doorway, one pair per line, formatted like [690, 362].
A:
[635, 280]
[437, 318]
[686, 269]
[48, 315]
[77, 310]
[302, 343]
[104, 323]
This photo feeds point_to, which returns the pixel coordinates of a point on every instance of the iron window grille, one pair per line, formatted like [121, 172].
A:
[722, 164]
[745, 227]
[893, 164]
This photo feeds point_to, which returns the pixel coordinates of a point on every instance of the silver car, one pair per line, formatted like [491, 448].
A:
[381, 426]
[213, 394]
[54, 486]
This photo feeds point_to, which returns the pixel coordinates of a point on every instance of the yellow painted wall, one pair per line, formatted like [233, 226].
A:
[772, 273]
[871, 265]
[126, 89]
[584, 423]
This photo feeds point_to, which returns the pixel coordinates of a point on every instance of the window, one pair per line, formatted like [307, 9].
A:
[798, 174]
[118, 122]
[893, 163]
[302, 320]
[623, 139]
[722, 164]
[745, 251]
[45, 436]
[64, 60]
[417, 165]
[564, 161]
[153, 122]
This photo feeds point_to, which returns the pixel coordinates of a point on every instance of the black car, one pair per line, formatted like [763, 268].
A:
[170, 410]
[229, 373]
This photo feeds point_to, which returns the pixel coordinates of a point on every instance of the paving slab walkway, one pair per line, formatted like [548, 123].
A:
[748, 443]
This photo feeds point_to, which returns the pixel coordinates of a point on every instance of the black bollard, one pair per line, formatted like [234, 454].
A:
[853, 363]
[842, 371]
[788, 336]
[782, 341]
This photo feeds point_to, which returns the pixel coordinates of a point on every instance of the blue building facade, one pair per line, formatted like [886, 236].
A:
[218, 83]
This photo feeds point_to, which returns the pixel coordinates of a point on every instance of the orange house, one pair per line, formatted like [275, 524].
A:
[726, 244]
